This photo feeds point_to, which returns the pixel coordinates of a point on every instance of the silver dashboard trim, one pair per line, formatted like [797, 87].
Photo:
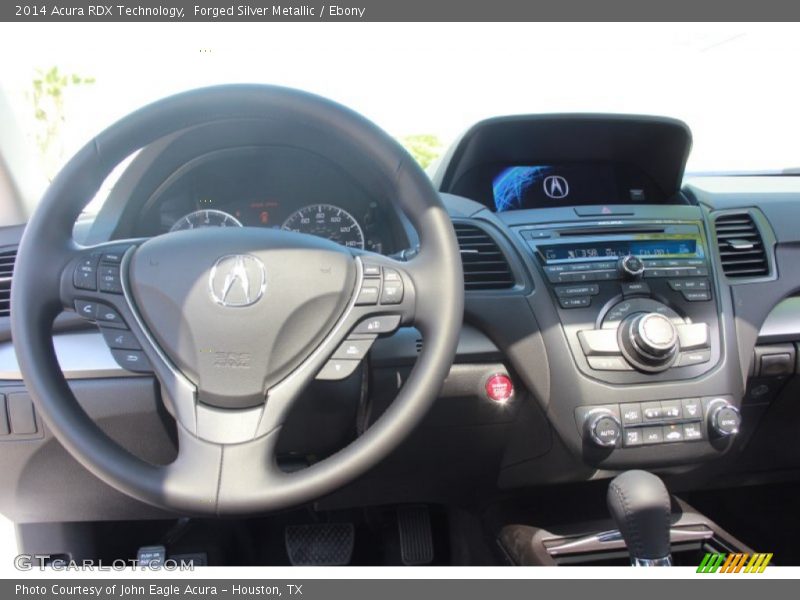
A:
[612, 540]
[81, 355]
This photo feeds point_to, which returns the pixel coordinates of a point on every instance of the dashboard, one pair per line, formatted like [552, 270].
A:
[623, 302]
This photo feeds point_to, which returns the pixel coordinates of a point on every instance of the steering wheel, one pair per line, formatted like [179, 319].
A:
[235, 322]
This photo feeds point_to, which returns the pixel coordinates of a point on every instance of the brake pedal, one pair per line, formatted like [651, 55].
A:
[416, 536]
[320, 544]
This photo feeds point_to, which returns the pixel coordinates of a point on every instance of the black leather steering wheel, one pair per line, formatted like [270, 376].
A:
[235, 322]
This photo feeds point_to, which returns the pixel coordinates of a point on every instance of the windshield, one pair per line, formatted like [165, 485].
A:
[734, 84]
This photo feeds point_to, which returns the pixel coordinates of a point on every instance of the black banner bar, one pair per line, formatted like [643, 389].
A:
[399, 10]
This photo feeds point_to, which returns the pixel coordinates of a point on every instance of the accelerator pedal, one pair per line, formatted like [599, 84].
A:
[320, 544]
[416, 536]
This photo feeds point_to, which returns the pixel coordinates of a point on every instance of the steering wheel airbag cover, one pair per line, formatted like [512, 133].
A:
[239, 309]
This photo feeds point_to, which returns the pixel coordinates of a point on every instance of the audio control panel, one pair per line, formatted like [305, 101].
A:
[636, 299]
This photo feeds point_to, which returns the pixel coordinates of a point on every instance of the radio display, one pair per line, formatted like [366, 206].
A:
[667, 248]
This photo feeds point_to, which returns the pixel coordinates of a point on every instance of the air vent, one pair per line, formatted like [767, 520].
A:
[741, 249]
[7, 258]
[485, 265]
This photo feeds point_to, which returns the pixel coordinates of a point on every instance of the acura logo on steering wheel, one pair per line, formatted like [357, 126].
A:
[237, 280]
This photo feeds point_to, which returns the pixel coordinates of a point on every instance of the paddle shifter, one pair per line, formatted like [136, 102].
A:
[639, 504]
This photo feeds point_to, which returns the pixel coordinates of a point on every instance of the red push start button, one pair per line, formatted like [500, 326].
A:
[499, 388]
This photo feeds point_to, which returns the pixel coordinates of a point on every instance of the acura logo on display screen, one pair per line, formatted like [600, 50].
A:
[237, 280]
[555, 186]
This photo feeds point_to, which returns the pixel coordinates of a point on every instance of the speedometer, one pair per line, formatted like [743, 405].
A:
[327, 221]
[205, 218]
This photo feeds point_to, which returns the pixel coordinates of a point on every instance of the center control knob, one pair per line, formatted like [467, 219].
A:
[602, 428]
[649, 341]
[630, 267]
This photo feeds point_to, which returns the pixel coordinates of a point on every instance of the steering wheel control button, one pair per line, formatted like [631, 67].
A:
[391, 275]
[108, 317]
[335, 369]
[113, 258]
[724, 419]
[608, 363]
[631, 414]
[603, 428]
[353, 349]
[575, 302]
[369, 293]
[85, 275]
[378, 325]
[693, 335]
[87, 310]
[392, 287]
[120, 339]
[372, 270]
[633, 288]
[392, 293]
[698, 357]
[499, 388]
[108, 280]
[598, 342]
[591, 289]
[132, 360]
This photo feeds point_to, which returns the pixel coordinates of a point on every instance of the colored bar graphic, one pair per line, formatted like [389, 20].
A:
[734, 563]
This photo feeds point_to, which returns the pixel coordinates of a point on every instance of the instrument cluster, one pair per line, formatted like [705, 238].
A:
[277, 187]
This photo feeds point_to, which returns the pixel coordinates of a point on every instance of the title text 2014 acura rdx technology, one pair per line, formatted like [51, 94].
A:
[280, 342]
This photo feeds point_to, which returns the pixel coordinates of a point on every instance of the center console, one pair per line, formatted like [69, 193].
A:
[639, 364]
[637, 303]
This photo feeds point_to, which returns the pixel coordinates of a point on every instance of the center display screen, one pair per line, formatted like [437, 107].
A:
[539, 186]
[671, 248]
[549, 185]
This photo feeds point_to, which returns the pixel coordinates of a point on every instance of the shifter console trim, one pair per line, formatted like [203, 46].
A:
[612, 540]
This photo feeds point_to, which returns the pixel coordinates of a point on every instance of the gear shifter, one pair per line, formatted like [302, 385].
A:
[639, 504]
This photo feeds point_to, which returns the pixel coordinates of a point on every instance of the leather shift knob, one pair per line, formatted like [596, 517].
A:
[639, 504]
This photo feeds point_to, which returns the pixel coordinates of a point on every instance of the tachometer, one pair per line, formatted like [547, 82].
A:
[205, 218]
[327, 221]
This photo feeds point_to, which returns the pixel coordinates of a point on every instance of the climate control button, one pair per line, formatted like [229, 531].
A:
[724, 419]
[603, 428]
